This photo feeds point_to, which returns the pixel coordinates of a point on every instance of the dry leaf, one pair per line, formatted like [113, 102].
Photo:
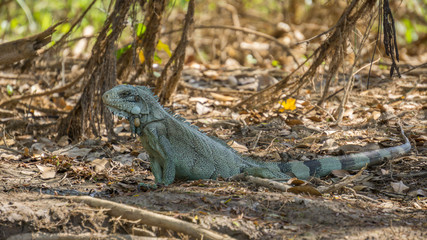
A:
[120, 149]
[211, 74]
[293, 122]
[305, 189]
[306, 103]
[46, 172]
[358, 188]
[221, 97]
[416, 205]
[27, 152]
[77, 169]
[74, 152]
[202, 109]
[399, 187]
[296, 182]
[329, 144]
[375, 115]
[100, 164]
[315, 119]
[340, 173]
[59, 102]
[381, 107]
[119, 129]
[238, 147]
[348, 113]
[418, 193]
[198, 99]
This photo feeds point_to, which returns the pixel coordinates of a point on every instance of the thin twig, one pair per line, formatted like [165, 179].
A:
[245, 30]
[324, 110]
[256, 140]
[355, 194]
[250, 31]
[342, 183]
[363, 67]
[312, 38]
[61, 41]
[419, 66]
[57, 90]
[229, 91]
[350, 83]
[12, 150]
[262, 182]
[271, 143]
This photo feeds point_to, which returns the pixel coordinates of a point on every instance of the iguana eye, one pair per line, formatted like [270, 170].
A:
[124, 94]
[136, 98]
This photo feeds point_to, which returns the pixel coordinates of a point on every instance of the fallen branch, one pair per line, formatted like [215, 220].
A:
[26, 47]
[149, 218]
[69, 236]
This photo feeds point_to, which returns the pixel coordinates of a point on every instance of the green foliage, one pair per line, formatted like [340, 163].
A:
[383, 67]
[409, 28]
[182, 4]
[140, 29]
[263, 6]
[9, 90]
[122, 50]
[15, 21]
[410, 33]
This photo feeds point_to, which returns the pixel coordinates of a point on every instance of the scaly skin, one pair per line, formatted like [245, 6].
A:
[179, 150]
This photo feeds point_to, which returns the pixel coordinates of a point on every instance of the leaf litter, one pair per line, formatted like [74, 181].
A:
[385, 194]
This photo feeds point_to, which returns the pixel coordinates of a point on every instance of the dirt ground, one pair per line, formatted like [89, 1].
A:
[52, 187]
[388, 201]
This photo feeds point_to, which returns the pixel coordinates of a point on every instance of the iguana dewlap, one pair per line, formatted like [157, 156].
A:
[179, 150]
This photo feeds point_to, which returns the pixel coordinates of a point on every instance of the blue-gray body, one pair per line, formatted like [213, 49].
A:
[179, 150]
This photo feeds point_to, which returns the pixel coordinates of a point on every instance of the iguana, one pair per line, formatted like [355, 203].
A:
[179, 150]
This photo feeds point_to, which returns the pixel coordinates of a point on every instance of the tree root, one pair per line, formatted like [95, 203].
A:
[149, 218]
[69, 236]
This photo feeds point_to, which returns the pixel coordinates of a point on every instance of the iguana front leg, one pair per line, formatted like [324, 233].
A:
[162, 157]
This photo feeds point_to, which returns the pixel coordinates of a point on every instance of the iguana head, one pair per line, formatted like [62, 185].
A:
[135, 103]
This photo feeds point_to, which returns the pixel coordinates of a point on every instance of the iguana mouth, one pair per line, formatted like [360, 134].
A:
[135, 120]
[118, 112]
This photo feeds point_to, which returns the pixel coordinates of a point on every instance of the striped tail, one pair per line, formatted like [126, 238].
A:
[324, 166]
